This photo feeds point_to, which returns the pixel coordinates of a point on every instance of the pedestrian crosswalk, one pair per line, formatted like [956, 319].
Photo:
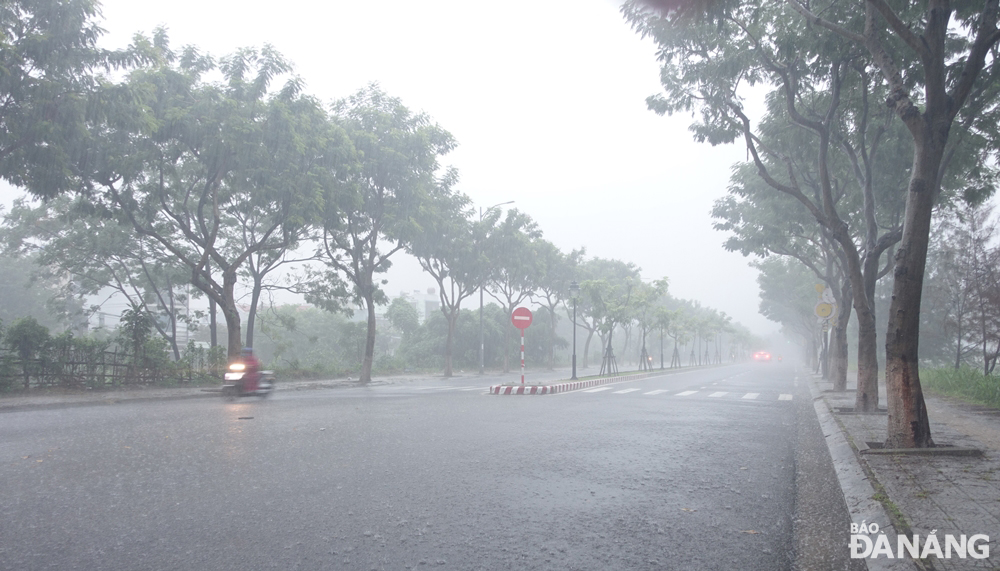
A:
[699, 393]
[702, 392]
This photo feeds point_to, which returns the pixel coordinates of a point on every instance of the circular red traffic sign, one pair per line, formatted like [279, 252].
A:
[521, 318]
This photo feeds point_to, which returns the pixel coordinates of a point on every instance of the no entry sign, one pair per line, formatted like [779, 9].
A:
[521, 318]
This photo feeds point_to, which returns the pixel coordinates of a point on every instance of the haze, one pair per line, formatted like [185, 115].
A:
[546, 100]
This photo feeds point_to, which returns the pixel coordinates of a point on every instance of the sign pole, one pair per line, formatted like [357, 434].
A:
[521, 318]
[522, 356]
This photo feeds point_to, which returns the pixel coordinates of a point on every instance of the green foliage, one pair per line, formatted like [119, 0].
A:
[965, 383]
[310, 342]
[28, 340]
[49, 90]
[787, 294]
[403, 316]
[135, 327]
[27, 337]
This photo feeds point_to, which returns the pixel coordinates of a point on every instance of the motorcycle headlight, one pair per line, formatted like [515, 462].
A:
[237, 367]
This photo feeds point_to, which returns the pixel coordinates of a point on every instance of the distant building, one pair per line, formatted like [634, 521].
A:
[426, 304]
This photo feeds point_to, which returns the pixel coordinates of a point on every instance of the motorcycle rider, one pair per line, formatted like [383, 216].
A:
[251, 371]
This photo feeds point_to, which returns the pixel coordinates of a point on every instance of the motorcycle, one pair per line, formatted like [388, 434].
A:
[238, 385]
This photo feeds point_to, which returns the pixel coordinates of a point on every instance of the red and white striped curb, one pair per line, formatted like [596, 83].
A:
[520, 390]
[566, 387]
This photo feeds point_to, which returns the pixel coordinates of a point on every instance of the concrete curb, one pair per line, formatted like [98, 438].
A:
[854, 484]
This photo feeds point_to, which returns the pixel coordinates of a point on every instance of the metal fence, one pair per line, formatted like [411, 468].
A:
[71, 368]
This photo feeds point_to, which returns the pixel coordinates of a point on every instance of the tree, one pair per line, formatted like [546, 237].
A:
[814, 81]
[67, 239]
[514, 270]
[948, 58]
[591, 309]
[50, 90]
[948, 72]
[195, 152]
[962, 288]
[646, 315]
[558, 270]
[372, 205]
[610, 306]
[403, 316]
[787, 297]
[445, 246]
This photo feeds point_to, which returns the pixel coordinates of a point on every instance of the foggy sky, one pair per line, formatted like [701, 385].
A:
[546, 100]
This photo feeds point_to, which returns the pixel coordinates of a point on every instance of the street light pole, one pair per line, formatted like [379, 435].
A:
[574, 292]
[482, 344]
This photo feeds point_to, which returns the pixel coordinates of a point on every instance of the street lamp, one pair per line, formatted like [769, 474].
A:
[574, 292]
[482, 352]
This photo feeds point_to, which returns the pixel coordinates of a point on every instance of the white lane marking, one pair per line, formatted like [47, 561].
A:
[718, 394]
[474, 389]
[598, 389]
[751, 396]
[656, 392]
[626, 391]
[785, 397]
[685, 393]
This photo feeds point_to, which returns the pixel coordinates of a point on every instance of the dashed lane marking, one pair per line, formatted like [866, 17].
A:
[718, 394]
[751, 396]
[626, 391]
[656, 392]
[598, 389]
[686, 393]
[784, 397]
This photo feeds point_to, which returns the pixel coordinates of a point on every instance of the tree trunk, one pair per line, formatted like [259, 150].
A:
[252, 315]
[839, 350]
[552, 339]
[866, 398]
[213, 322]
[958, 343]
[908, 426]
[450, 317]
[235, 342]
[369, 356]
[586, 348]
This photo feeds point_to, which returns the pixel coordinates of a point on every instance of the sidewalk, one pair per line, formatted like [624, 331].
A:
[67, 398]
[936, 493]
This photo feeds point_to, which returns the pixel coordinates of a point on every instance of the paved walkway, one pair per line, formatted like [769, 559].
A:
[60, 398]
[948, 494]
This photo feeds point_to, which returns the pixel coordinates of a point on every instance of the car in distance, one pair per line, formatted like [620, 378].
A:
[762, 356]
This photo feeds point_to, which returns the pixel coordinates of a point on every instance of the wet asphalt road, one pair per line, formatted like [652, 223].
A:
[435, 476]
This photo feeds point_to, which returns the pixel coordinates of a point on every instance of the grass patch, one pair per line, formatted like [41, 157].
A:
[966, 383]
